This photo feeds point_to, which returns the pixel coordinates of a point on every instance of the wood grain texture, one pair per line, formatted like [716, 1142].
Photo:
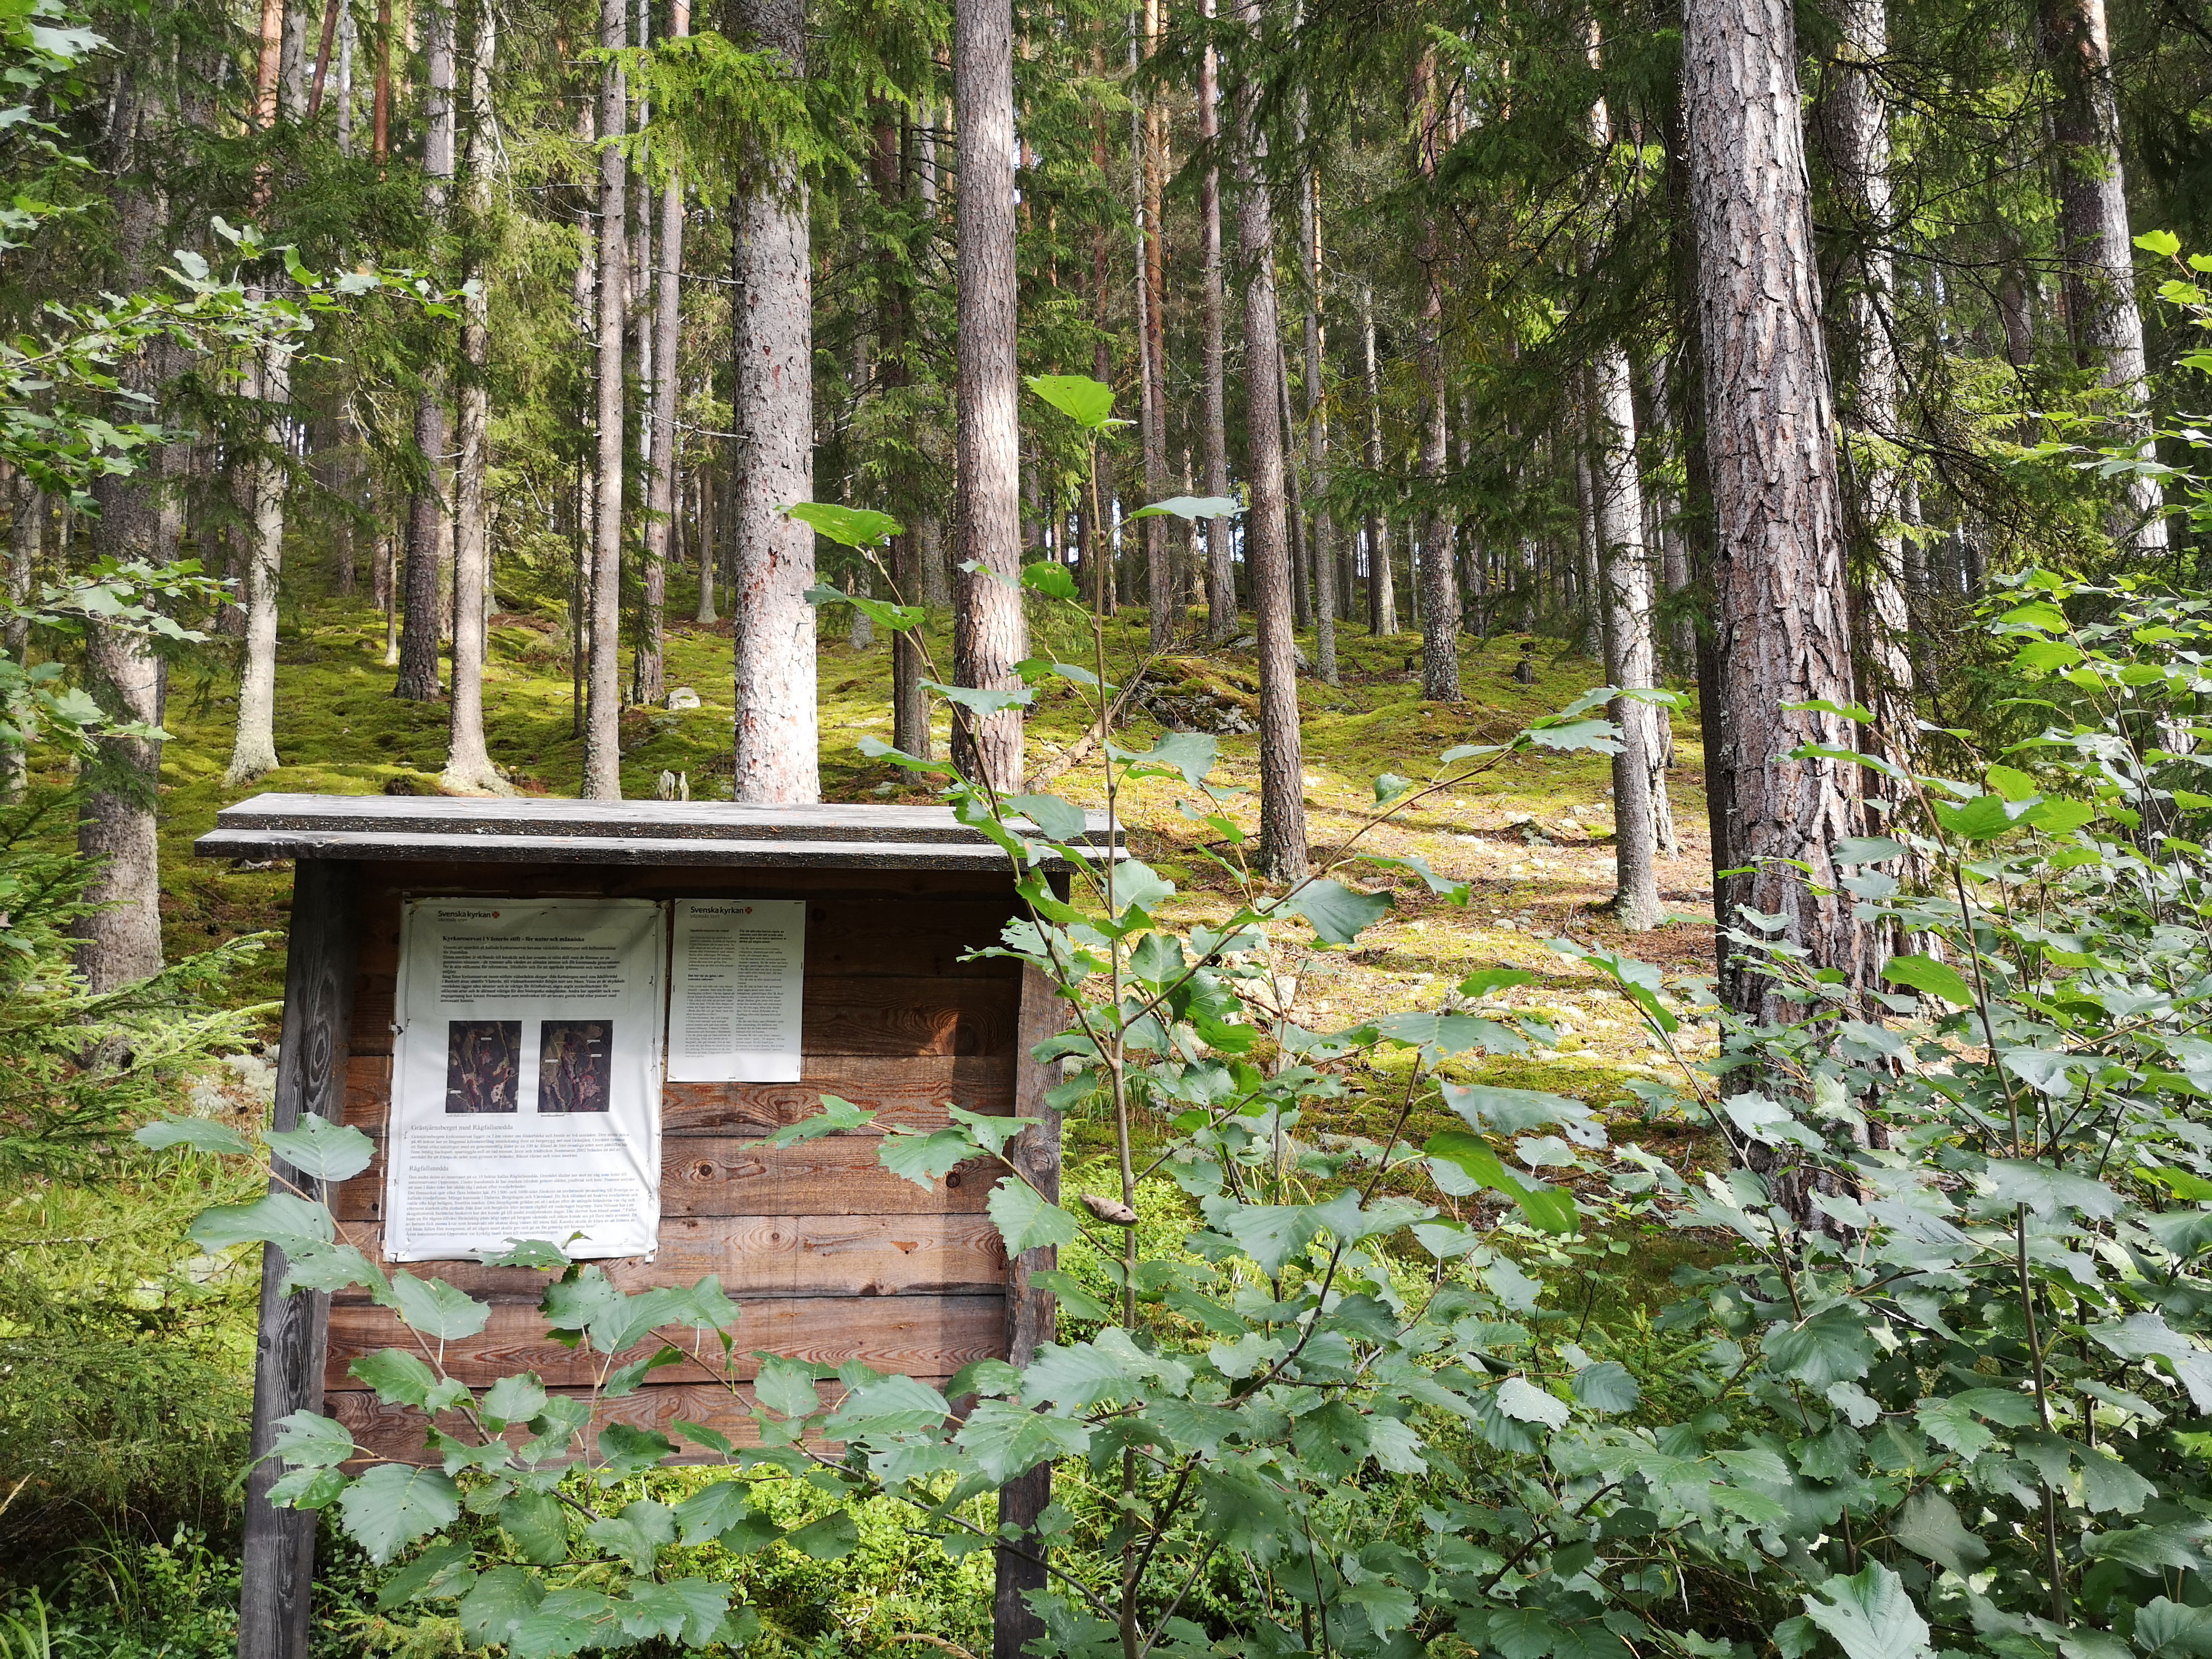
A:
[1030, 1314]
[290, 1351]
[910, 1094]
[920, 1335]
[551, 816]
[838, 1175]
[394, 1433]
[888, 1017]
[816, 1255]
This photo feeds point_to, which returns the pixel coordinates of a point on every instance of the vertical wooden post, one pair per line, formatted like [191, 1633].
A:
[1029, 1317]
[275, 1594]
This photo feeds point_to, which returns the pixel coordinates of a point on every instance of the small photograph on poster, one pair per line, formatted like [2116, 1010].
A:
[576, 1065]
[483, 1065]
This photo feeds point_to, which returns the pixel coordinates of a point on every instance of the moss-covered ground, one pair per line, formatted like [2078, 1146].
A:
[1531, 838]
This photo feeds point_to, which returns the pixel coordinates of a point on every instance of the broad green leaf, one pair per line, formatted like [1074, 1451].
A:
[566, 1621]
[1524, 1401]
[440, 1573]
[836, 1117]
[2164, 243]
[1926, 974]
[1833, 1345]
[832, 1538]
[311, 1441]
[1928, 1526]
[2046, 1190]
[625, 1449]
[849, 527]
[497, 1603]
[537, 1524]
[1869, 1615]
[1138, 888]
[1050, 578]
[1059, 820]
[1867, 849]
[1188, 508]
[1075, 1300]
[1006, 1439]
[399, 1378]
[1984, 817]
[309, 1265]
[1337, 912]
[1192, 754]
[392, 1505]
[1025, 1221]
[2172, 1630]
[888, 1406]
[982, 702]
[1088, 402]
[712, 1510]
[686, 1610]
[786, 1387]
[513, 1399]
[1606, 1386]
[274, 1218]
[637, 1534]
[324, 1151]
[1489, 979]
[925, 1160]
[436, 1309]
[197, 1133]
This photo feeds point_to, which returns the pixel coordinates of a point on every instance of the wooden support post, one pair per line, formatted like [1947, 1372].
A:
[276, 1591]
[1029, 1318]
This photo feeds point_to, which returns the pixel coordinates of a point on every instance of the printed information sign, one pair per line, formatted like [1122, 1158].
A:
[737, 989]
[525, 1084]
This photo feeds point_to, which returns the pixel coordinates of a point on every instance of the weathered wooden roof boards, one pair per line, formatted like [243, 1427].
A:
[538, 830]
[831, 1257]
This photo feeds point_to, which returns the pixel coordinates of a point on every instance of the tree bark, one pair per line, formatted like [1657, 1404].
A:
[777, 742]
[1639, 774]
[667, 339]
[1266, 544]
[1220, 557]
[469, 767]
[1439, 589]
[2094, 246]
[1382, 588]
[26, 534]
[253, 747]
[425, 618]
[1324, 553]
[1149, 137]
[1857, 122]
[602, 666]
[120, 942]
[1781, 588]
[990, 632]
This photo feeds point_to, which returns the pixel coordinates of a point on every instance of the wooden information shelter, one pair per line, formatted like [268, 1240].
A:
[831, 1257]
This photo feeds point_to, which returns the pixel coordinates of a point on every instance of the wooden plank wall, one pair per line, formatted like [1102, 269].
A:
[831, 1257]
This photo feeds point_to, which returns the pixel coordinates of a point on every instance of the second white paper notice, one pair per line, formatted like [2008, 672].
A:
[737, 991]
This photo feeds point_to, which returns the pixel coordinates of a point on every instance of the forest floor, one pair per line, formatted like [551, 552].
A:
[1532, 838]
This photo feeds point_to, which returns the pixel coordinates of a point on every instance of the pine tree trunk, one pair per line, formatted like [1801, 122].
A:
[1267, 550]
[426, 617]
[1782, 599]
[1324, 553]
[1220, 555]
[1439, 591]
[469, 769]
[778, 744]
[120, 942]
[602, 666]
[990, 633]
[1160, 598]
[710, 541]
[1667, 518]
[1381, 587]
[667, 337]
[1858, 132]
[26, 534]
[2094, 246]
[253, 747]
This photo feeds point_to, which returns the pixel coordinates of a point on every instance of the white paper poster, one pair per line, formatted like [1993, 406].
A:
[526, 1079]
[736, 990]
